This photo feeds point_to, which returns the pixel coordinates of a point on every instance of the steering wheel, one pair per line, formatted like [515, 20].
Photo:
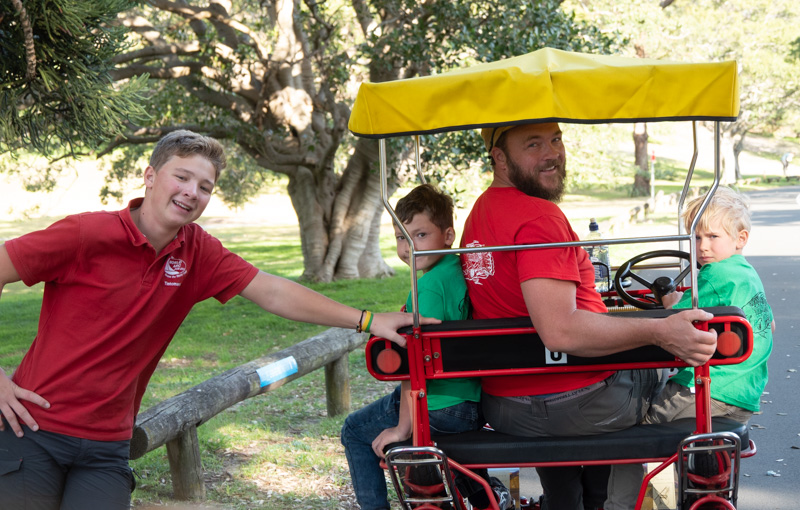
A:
[660, 287]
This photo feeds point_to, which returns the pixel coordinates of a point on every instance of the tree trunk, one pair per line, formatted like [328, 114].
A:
[340, 227]
[641, 181]
[738, 147]
[728, 176]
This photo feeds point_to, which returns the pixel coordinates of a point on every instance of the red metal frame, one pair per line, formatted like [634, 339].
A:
[426, 347]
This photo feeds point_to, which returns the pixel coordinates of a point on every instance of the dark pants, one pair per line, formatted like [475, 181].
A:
[48, 471]
[621, 401]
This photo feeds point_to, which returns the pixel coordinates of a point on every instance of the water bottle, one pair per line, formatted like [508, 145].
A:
[599, 257]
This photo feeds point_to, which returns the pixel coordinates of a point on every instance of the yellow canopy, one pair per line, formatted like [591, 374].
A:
[548, 84]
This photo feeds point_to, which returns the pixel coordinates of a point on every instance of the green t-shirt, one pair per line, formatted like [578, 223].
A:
[442, 295]
[734, 282]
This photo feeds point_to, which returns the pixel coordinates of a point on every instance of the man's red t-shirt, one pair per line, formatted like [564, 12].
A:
[110, 308]
[506, 216]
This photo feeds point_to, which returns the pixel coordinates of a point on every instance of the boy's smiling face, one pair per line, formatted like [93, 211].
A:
[181, 189]
[426, 236]
[715, 243]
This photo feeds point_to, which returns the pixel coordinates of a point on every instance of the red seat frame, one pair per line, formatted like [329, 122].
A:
[502, 347]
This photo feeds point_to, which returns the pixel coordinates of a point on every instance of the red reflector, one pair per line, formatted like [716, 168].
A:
[728, 343]
[388, 361]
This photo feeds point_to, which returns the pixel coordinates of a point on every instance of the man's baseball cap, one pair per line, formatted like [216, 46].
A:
[490, 135]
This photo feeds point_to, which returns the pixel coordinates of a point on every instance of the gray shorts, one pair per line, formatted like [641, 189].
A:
[47, 471]
[677, 401]
[616, 403]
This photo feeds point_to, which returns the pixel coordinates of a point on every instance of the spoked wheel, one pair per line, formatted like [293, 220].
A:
[660, 287]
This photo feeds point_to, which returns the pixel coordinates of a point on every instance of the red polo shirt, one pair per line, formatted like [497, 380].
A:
[110, 308]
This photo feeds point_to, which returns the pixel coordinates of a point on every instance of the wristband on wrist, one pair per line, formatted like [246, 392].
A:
[364, 322]
[369, 322]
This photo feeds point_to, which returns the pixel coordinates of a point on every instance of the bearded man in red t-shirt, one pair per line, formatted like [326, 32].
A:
[555, 287]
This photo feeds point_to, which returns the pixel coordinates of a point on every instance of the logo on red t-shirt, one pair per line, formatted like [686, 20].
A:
[174, 268]
[478, 266]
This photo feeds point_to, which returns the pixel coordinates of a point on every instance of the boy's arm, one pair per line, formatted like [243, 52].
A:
[8, 273]
[11, 408]
[671, 299]
[403, 429]
[291, 300]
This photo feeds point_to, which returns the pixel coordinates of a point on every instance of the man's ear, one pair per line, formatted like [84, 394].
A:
[498, 155]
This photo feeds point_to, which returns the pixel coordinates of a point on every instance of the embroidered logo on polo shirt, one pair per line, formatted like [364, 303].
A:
[173, 269]
[478, 266]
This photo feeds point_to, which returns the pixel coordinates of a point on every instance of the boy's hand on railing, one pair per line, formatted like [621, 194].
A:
[385, 325]
[387, 437]
[12, 409]
[681, 338]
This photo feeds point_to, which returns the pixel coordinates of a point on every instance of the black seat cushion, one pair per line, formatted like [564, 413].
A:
[658, 441]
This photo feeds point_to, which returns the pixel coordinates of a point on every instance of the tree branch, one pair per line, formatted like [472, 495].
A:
[156, 51]
[30, 50]
[365, 18]
[196, 13]
[170, 72]
[239, 107]
[153, 135]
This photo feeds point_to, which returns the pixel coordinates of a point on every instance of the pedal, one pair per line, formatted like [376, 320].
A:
[422, 478]
[708, 470]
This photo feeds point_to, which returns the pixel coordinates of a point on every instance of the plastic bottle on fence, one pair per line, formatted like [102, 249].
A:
[599, 258]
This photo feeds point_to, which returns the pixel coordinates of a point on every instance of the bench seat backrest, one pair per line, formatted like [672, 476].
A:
[483, 348]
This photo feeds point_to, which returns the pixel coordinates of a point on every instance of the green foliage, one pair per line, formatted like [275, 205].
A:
[759, 34]
[794, 54]
[437, 36]
[70, 100]
[408, 39]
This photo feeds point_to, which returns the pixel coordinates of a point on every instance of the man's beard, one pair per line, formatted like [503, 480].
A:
[528, 183]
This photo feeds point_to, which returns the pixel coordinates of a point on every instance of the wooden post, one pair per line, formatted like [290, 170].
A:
[337, 386]
[186, 467]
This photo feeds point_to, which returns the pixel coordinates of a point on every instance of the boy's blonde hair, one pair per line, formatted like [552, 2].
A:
[184, 143]
[726, 206]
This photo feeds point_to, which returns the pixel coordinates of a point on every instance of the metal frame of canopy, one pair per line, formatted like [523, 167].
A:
[562, 87]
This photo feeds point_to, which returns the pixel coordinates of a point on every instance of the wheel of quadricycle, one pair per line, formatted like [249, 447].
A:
[728, 343]
[388, 361]
[712, 502]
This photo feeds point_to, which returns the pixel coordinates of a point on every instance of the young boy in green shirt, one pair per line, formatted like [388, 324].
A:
[427, 215]
[725, 279]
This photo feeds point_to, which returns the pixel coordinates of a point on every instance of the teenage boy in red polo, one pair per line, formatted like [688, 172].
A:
[117, 287]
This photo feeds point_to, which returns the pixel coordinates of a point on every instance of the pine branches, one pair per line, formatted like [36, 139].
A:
[56, 93]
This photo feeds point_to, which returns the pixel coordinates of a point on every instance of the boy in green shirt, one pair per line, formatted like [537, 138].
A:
[725, 279]
[427, 215]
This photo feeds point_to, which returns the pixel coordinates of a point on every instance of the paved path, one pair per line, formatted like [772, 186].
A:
[774, 250]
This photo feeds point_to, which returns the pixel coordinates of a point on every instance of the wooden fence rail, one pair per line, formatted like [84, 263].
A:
[174, 421]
